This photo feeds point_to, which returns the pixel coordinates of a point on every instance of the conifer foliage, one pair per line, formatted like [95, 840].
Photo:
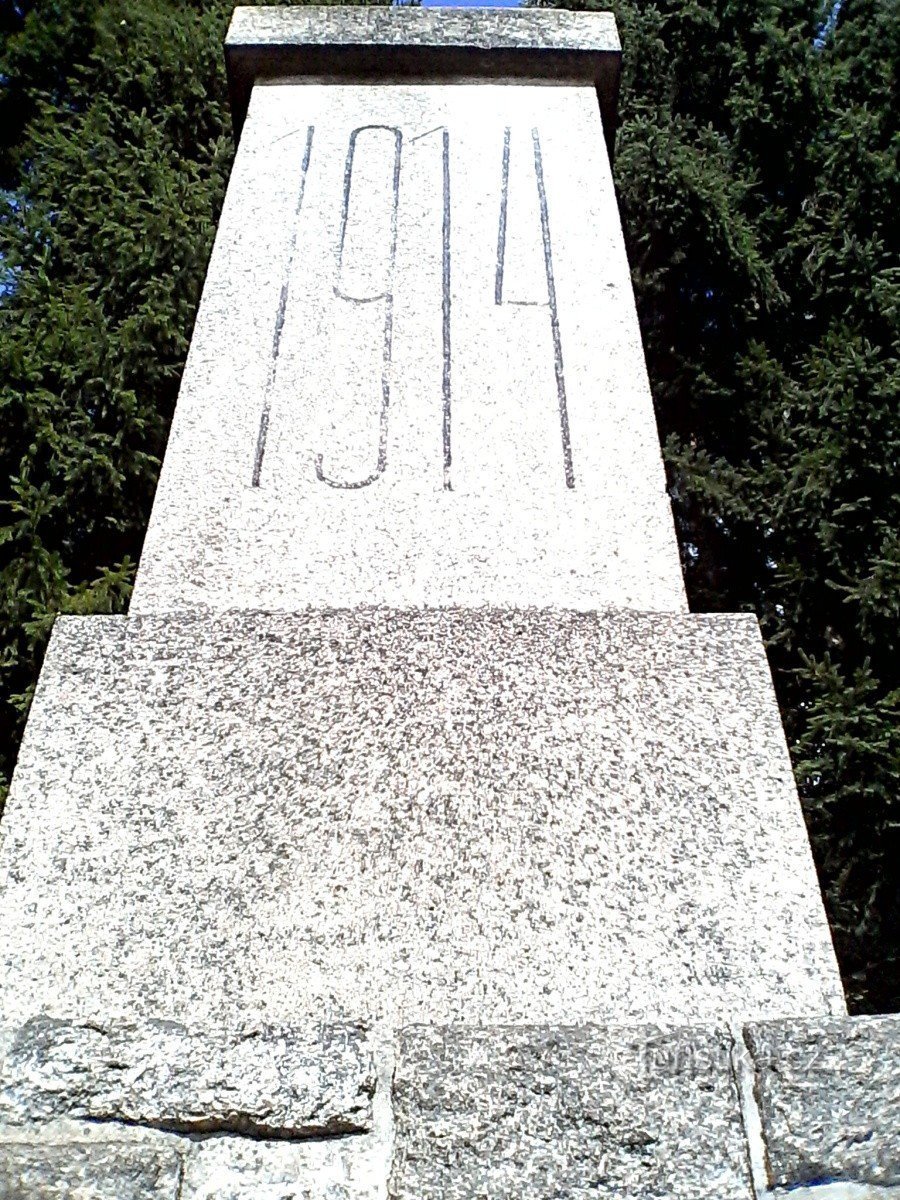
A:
[757, 171]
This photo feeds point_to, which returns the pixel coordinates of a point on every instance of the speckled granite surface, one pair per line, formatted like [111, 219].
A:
[536, 29]
[471, 815]
[262, 800]
[98, 1171]
[582, 1113]
[829, 1097]
[249, 1079]
[381, 405]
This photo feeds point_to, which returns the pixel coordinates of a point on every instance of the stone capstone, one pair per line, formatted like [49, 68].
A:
[580, 1112]
[502, 816]
[94, 1171]
[829, 1097]
[264, 1082]
[427, 43]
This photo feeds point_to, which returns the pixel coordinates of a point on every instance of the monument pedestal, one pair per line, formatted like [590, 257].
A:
[410, 837]
[406, 816]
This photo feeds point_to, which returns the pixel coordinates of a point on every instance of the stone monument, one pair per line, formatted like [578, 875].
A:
[410, 837]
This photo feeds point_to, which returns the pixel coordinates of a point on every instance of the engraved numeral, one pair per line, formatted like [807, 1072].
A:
[562, 402]
[387, 295]
[279, 317]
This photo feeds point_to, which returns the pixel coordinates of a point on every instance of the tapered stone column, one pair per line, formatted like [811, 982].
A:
[416, 377]
[409, 722]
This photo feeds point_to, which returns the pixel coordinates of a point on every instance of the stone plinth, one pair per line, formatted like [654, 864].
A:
[409, 816]
[579, 1112]
[588, 1112]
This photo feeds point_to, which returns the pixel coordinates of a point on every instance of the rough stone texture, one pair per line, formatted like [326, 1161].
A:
[537, 30]
[431, 43]
[95, 1171]
[839, 1191]
[287, 1082]
[437, 815]
[353, 1168]
[472, 506]
[581, 1113]
[829, 1098]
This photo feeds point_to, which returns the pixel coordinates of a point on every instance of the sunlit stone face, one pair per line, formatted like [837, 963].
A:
[410, 381]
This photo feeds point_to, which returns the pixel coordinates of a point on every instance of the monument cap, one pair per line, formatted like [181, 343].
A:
[357, 43]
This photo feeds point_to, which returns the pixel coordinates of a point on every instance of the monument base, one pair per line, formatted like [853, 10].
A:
[461, 815]
[800, 1108]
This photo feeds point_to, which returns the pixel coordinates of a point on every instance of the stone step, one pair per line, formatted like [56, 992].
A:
[402, 816]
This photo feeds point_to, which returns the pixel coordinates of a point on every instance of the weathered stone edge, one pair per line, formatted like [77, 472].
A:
[262, 1082]
[828, 1096]
[428, 45]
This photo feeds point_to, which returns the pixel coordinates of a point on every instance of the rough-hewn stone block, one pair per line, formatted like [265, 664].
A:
[88, 1171]
[262, 1081]
[829, 1098]
[349, 1168]
[581, 1113]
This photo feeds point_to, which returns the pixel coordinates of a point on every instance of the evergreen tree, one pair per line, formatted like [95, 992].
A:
[756, 166]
